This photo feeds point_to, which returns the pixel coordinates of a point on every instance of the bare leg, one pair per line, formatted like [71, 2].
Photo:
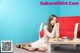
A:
[42, 49]
[29, 48]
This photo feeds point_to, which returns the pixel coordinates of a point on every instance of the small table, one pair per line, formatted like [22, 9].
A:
[74, 42]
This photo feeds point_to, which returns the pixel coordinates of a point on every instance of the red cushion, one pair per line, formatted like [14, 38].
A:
[41, 33]
[69, 34]
[68, 23]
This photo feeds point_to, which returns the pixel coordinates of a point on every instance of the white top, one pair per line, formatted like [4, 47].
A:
[43, 42]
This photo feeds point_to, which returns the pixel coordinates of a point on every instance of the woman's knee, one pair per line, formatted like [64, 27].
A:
[42, 49]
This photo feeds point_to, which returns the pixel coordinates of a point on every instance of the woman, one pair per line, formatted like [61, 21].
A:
[50, 31]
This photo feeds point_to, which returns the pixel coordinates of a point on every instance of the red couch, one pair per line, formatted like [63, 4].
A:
[67, 27]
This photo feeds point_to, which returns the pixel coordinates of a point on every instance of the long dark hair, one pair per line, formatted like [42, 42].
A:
[50, 27]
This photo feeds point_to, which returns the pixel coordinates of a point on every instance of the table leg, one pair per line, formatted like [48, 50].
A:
[49, 48]
[78, 46]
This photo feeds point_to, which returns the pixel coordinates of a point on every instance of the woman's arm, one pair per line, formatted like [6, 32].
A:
[57, 30]
[50, 35]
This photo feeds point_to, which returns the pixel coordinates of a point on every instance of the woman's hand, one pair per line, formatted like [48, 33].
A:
[57, 24]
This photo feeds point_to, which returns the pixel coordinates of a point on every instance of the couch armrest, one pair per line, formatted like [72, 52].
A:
[75, 30]
[40, 29]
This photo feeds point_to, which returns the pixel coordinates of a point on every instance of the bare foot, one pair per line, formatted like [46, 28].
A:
[20, 46]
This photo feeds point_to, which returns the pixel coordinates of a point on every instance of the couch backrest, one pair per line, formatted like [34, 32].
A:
[68, 23]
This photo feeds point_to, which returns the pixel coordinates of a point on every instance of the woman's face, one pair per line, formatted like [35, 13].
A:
[53, 21]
